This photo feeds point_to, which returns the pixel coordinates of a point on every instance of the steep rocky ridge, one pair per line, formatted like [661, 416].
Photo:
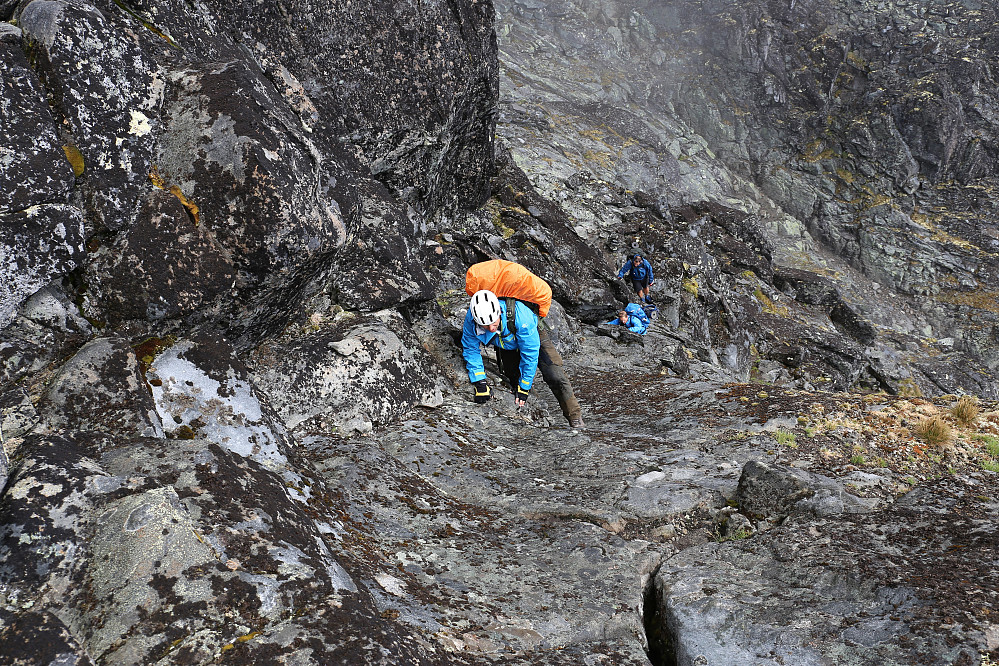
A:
[861, 136]
[234, 419]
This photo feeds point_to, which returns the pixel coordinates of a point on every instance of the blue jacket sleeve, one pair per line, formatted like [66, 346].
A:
[635, 325]
[649, 266]
[470, 350]
[529, 343]
[624, 269]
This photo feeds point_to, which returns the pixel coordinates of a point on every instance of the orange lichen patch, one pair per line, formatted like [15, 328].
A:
[157, 181]
[75, 159]
[980, 299]
[769, 306]
[241, 639]
[816, 152]
[147, 350]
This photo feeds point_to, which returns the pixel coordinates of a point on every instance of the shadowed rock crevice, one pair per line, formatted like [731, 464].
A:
[661, 651]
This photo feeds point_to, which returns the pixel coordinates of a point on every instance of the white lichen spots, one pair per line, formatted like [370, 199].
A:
[230, 416]
[290, 561]
[50, 489]
[22, 271]
[333, 214]
[650, 478]
[295, 92]
[267, 591]
[296, 486]
[102, 485]
[139, 124]
[19, 490]
[226, 147]
[6, 157]
[105, 161]
[157, 90]
[391, 584]
[338, 575]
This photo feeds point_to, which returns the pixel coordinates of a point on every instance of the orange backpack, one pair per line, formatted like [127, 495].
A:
[509, 280]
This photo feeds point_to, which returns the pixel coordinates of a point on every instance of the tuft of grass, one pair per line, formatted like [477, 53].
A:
[858, 460]
[934, 431]
[738, 535]
[966, 411]
[786, 438]
[990, 466]
[991, 445]
[908, 388]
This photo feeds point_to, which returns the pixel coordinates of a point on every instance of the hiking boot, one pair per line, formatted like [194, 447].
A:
[577, 423]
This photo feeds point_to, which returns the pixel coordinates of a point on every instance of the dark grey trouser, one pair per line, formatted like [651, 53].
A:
[551, 365]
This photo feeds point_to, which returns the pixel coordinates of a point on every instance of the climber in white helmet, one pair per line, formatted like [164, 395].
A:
[486, 324]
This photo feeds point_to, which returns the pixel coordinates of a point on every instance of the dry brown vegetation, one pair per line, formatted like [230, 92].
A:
[935, 432]
[966, 411]
[917, 438]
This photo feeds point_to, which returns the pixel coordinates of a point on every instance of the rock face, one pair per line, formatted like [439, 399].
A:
[861, 139]
[850, 587]
[215, 190]
[323, 381]
[235, 425]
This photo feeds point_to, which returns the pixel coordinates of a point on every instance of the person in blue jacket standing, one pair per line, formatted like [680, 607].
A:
[639, 272]
[520, 353]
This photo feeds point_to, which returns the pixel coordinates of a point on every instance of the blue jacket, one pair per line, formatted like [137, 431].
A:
[526, 339]
[637, 272]
[635, 325]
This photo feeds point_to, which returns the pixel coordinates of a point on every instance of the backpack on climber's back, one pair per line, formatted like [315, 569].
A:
[509, 280]
[637, 311]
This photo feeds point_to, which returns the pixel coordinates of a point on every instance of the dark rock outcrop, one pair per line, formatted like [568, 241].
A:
[102, 388]
[179, 550]
[216, 189]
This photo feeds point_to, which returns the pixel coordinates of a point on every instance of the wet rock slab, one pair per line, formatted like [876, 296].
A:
[909, 584]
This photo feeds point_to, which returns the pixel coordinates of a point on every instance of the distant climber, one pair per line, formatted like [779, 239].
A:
[631, 322]
[506, 310]
[639, 272]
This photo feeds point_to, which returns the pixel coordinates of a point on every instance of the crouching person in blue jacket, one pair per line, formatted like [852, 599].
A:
[639, 272]
[633, 324]
[520, 352]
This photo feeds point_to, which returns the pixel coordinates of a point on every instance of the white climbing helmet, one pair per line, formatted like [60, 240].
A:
[484, 307]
